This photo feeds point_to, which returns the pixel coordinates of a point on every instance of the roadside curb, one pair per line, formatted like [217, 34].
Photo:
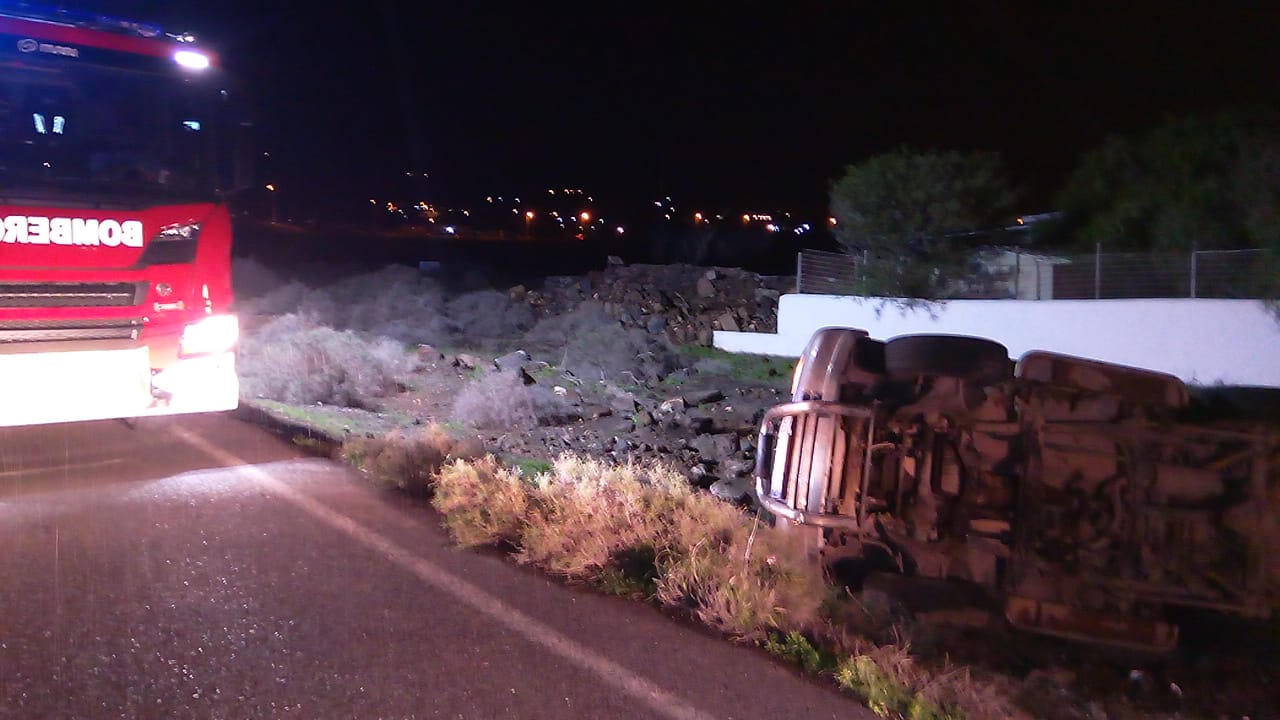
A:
[311, 440]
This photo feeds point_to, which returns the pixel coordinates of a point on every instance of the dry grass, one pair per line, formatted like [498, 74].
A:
[590, 516]
[483, 503]
[631, 527]
[738, 577]
[589, 521]
[897, 685]
[409, 460]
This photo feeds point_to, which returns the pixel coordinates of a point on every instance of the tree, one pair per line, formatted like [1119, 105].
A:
[906, 215]
[1196, 182]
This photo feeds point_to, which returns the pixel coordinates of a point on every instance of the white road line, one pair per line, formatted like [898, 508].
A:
[61, 468]
[608, 671]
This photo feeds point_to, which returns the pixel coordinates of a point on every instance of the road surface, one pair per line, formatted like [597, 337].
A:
[208, 569]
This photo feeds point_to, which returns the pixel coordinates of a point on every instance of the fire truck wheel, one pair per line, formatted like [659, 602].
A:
[150, 422]
[968, 358]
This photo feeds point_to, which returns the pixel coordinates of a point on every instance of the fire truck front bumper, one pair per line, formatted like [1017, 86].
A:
[95, 384]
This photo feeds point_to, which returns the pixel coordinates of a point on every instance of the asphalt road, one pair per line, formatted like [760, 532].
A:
[207, 569]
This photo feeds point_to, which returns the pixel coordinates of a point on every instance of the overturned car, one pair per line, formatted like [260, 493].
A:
[1084, 497]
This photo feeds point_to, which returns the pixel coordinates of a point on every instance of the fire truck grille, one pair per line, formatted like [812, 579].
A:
[45, 295]
[30, 331]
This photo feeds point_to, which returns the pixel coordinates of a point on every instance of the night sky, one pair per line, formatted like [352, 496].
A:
[731, 105]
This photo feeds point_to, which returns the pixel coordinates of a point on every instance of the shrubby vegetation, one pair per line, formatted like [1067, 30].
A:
[592, 345]
[904, 216]
[295, 360]
[492, 400]
[349, 343]
[1202, 182]
[643, 531]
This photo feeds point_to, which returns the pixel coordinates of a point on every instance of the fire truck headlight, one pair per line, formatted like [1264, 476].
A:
[191, 59]
[212, 335]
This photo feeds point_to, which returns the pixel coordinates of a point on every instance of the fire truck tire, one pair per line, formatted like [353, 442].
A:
[150, 423]
[968, 358]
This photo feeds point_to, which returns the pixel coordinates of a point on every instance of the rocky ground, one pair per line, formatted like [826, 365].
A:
[694, 408]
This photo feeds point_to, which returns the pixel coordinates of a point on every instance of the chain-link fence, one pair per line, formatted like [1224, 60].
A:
[1007, 273]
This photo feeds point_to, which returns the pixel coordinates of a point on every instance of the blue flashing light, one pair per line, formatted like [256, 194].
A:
[36, 11]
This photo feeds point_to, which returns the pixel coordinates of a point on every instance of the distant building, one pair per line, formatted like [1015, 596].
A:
[1008, 273]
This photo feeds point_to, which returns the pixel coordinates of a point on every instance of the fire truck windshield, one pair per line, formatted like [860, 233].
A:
[80, 131]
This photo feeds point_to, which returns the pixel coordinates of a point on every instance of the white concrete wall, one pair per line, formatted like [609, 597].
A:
[1201, 341]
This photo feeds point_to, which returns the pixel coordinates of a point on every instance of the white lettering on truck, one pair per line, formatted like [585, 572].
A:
[39, 230]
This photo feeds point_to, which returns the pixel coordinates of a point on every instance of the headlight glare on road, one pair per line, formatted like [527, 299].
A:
[212, 335]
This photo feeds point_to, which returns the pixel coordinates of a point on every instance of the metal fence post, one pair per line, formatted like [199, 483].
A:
[1097, 272]
[1017, 276]
[1193, 270]
[799, 269]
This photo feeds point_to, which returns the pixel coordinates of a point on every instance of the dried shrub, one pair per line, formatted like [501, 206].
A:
[487, 317]
[502, 400]
[293, 360]
[483, 503]
[586, 520]
[591, 517]
[408, 459]
[590, 344]
[396, 302]
[896, 685]
[738, 577]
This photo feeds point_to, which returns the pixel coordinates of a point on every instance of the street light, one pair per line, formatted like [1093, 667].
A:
[528, 218]
[271, 188]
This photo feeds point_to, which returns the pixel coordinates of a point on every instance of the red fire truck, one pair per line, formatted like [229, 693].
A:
[119, 144]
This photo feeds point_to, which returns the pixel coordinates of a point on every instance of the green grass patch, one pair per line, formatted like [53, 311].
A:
[888, 694]
[767, 369]
[794, 647]
[333, 421]
[529, 467]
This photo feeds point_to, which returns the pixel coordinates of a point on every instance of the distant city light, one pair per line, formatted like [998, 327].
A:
[585, 216]
[450, 230]
[831, 221]
[619, 230]
[771, 227]
[697, 217]
[746, 218]
[528, 214]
